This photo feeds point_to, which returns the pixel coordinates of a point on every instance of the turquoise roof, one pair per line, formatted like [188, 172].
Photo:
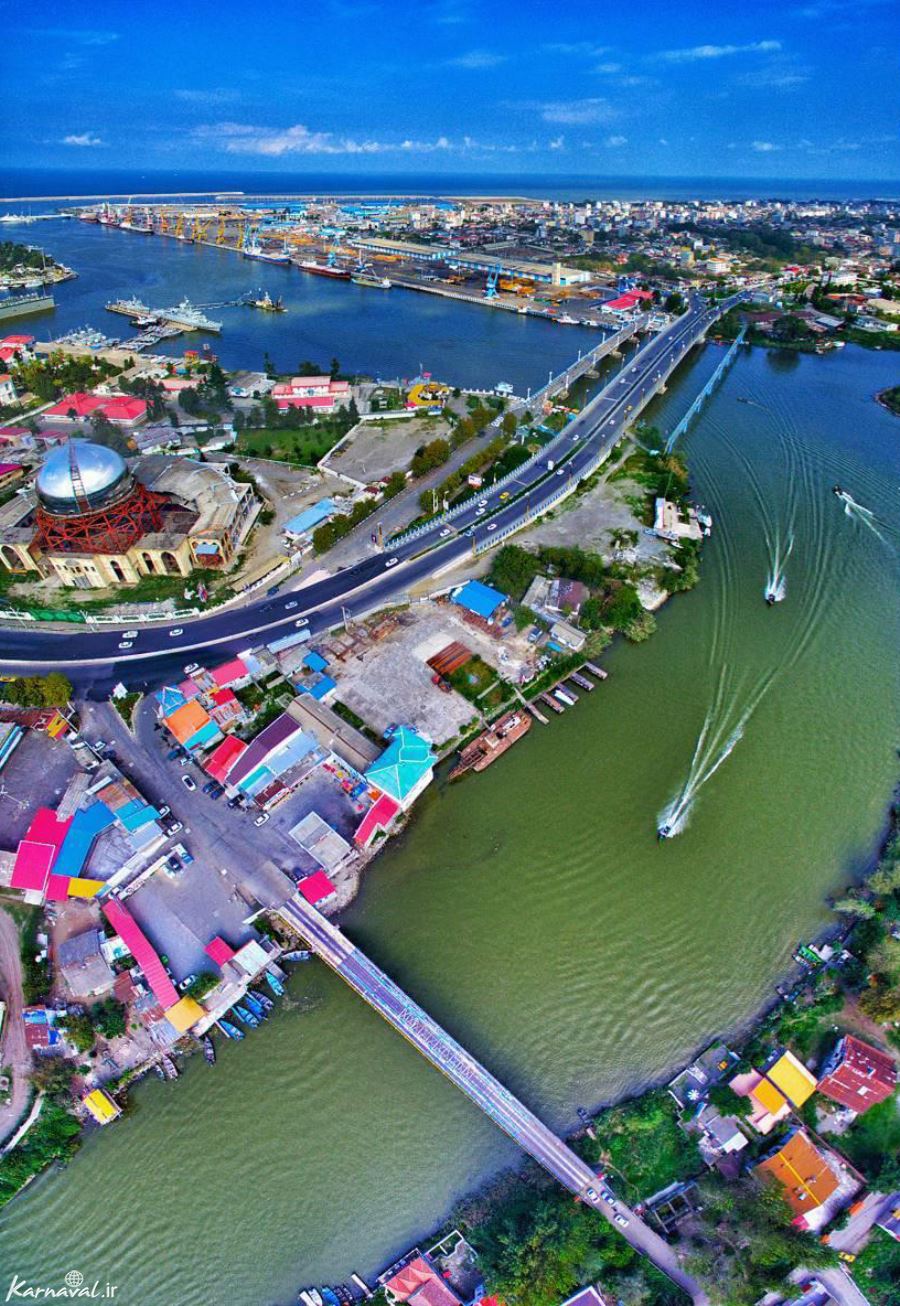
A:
[407, 758]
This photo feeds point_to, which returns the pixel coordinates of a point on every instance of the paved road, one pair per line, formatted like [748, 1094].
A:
[94, 658]
[837, 1284]
[15, 1052]
[461, 1068]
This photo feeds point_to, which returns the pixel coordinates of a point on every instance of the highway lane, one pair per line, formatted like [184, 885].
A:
[160, 649]
[463, 1070]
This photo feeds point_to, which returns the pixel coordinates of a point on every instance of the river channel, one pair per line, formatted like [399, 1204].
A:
[531, 908]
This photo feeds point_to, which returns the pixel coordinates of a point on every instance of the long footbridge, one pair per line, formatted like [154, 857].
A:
[462, 1069]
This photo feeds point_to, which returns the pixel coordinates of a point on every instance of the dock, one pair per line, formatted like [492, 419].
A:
[582, 681]
[595, 671]
[537, 714]
[552, 702]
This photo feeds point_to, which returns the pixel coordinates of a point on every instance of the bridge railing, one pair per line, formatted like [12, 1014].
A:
[707, 390]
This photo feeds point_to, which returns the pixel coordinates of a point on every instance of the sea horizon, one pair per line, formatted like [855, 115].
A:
[43, 183]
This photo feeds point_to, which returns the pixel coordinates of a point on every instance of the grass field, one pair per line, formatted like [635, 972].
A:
[306, 444]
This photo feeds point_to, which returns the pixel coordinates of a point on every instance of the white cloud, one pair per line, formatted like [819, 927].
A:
[573, 112]
[663, 141]
[765, 147]
[85, 139]
[558, 143]
[477, 59]
[243, 138]
[586, 48]
[215, 95]
[608, 68]
[615, 142]
[76, 36]
[695, 53]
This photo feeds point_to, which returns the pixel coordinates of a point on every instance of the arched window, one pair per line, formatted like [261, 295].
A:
[116, 569]
[170, 564]
[148, 562]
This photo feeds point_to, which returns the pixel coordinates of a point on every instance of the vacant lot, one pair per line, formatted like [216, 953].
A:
[301, 444]
[375, 449]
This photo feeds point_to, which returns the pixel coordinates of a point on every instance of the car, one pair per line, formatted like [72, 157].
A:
[189, 782]
[130, 634]
[172, 754]
[479, 512]
[127, 643]
[289, 607]
[482, 503]
[178, 630]
[301, 621]
[186, 983]
[191, 668]
[209, 786]
[848, 1257]
[261, 819]
[448, 530]
[504, 495]
[173, 864]
[99, 745]
[621, 1220]
[234, 802]
[607, 1196]
[184, 759]
[216, 793]
[174, 828]
[592, 1193]
[493, 526]
[561, 472]
[391, 562]
[165, 810]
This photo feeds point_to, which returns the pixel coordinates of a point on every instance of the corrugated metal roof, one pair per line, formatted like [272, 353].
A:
[143, 952]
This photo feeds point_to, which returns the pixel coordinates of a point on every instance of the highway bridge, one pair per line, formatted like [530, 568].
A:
[461, 1068]
[94, 660]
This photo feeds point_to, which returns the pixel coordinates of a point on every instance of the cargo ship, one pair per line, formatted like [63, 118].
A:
[25, 305]
[493, 743]
[267, 255]
[369, 279]
[323, 269]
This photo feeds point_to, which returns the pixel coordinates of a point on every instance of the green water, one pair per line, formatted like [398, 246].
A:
[531, 908]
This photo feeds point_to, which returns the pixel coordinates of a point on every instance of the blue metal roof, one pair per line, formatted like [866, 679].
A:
[481, 599]
[311, 517]
[80, 836]
[314, 661]
[407, 758]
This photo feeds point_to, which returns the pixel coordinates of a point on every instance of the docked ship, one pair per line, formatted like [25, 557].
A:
[268, 304]
[492, 743]
[108, 217]
[25, 305]
[369, 279]
[567, 320]
[323, 269]
[189, 318]
[141, 228]
[89, 215]
[266, 255]
[132, 307]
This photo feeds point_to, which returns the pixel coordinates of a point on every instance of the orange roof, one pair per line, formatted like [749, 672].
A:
[187, 720]
[803, 1173]
[768, 1096]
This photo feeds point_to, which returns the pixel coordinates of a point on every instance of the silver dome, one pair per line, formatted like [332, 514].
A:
[102, 473]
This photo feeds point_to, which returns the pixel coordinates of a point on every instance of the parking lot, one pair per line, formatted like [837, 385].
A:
[37, 773]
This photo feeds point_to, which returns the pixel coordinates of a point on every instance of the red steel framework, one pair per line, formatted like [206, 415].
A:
[112, 529]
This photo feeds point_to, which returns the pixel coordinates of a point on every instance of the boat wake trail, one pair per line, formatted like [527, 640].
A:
[776, 583]
[858, 512]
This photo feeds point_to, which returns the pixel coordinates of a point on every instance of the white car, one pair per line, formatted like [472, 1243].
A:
[127, 643]
[448, 530]
[261, 819]
[189, 782]
[301, 621]
[391, 562]
[164, 810]
[479, 512]
[621, 1221]
[482, 503]
[561, 472]
[493, 526]
[191, 668]
[289, 607]
[179, 630]
[130, 634]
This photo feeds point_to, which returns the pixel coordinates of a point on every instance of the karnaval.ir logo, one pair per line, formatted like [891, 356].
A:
[73, 1286]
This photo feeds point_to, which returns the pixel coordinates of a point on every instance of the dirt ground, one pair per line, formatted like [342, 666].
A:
[15, 1054]
[374, 449]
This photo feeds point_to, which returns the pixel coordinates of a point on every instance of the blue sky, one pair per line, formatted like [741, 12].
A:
[801, 88]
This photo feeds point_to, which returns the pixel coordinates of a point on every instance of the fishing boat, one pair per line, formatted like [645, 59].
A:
[265, 1002]
[299, 954]
[369, 279]
[230, 1030]
[209, 1050]
[255, 1006]
[275, 984]
[567, 320]
[169, 1067]
[268, 304]
[246, 1016]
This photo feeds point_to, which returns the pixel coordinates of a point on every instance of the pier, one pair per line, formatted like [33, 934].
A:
[462, 1069]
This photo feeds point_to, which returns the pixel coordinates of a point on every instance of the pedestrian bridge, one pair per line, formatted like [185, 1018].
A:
[461, 1068]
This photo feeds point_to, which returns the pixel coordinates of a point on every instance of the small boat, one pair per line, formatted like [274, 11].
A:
[169, 1067]
[265, 1002]
[584, 1116]
[567, 320]
[246, 1016]
[255, 1006]
[838, 490]
[209, 1050]
[330, 1297]
[230, 1030]
[158, 1070]
[268, 304]
[771, 598]
[299, 954]
[275, 984]
[305, 1298]
[664, 832]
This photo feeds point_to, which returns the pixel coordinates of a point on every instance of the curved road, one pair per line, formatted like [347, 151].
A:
[94, 659]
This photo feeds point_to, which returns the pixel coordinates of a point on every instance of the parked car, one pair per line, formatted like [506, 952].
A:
[621, 1221]
[173, 865]
[174, 828]
[165, 810]
[130, 634]
[178, 630]
[209, 786]
[189, 782]
[261, 819]
[185, 984]
[301, 621]
[191, 668]
[127, 643]
[234, 802]
[172, 754]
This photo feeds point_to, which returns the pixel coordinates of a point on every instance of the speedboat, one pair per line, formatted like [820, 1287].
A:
[771, 598]
[664, 832]
[838, 490]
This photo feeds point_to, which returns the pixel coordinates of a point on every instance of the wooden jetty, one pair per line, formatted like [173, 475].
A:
[537, 714]
[583, 681]
[595, 670]
[552, 702]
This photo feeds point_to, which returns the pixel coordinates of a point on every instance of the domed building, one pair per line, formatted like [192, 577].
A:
[93, 521]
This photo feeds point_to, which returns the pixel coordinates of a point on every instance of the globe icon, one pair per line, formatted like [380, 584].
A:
[74, 1279]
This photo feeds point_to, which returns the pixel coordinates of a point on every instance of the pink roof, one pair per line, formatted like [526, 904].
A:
[411, 1277]
[222, 696]
[5, 377]
[223, 758]
[8, 353]
[316, 887]
[57, 888]
[378, 817]
[219, 950]
[5, 468]
[125, 408]
[236, 669]
[37, 851]
[17, 340]
[305, 401]
[143, 951]
[82, 403]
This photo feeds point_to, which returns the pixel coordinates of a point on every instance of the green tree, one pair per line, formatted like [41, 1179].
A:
[395, 484]
[509, 424]
[56, 689]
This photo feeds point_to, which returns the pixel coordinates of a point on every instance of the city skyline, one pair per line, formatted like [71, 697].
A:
[799, 91]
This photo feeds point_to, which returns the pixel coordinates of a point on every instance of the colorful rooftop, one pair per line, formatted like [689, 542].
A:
[479, 598]
[404, 764]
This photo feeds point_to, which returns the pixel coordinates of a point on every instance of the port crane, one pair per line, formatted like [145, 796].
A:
[490, 289]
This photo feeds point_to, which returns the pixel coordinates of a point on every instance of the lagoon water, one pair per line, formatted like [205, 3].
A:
[530, 908]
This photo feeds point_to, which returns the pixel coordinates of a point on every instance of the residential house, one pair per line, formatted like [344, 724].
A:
[810, 1179]
[858, 1075]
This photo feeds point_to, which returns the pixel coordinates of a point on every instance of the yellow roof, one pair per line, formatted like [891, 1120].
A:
[81, 888]
[184, 1014]
[101, 1106]
[768, 1096]
[792, 1078]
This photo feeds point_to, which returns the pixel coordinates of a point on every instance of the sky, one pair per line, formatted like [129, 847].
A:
[794, 89]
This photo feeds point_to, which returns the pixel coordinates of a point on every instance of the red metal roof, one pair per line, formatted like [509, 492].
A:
[316, 887]
[82, 404]
[221, 759]
[124, 408]
[228, 672]
[378, 817]
[143, 951]
[861, 1075]
[219, 950]
[17, 340]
